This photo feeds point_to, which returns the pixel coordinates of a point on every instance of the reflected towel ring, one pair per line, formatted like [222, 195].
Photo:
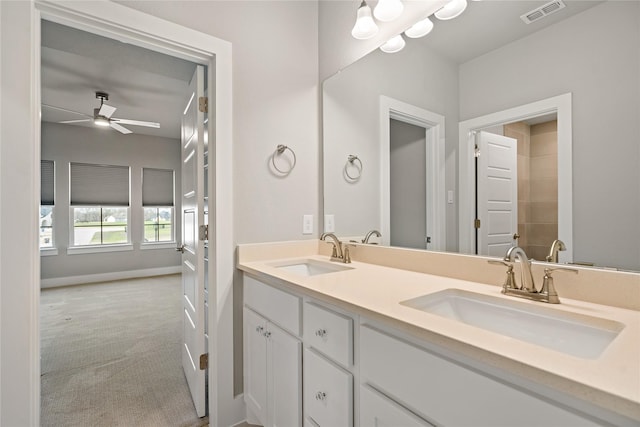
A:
[280, 150]
[351, 160]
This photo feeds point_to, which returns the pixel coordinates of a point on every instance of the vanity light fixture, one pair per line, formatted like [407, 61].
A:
[420, 29]
[365, 27]
[393, 45]
[388, 10]
[451, 10]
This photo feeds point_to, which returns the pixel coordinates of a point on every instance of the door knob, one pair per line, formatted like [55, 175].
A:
[180, 249]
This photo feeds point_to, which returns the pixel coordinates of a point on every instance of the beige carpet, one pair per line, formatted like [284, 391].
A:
[110, 355]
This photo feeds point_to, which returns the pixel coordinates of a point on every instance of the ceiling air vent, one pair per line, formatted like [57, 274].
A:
[542, 11]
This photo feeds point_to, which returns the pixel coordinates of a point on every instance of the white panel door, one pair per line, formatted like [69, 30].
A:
[193, 248]
[497, 194]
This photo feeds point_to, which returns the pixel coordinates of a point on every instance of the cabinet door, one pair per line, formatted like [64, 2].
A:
[377, 410]
[328, 392]
[284, 358]
[255, 364]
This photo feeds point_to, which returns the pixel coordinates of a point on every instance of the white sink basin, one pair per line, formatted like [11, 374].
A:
[311, 267]
[574, 334]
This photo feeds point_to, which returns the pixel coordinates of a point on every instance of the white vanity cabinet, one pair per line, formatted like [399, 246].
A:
[272, 355]
[447, 393]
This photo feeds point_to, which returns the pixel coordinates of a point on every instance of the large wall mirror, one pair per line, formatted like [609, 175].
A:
[408, 137]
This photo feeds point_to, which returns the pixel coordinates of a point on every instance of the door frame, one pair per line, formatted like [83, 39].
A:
[561, 105]
[433, 124]
[122, 23]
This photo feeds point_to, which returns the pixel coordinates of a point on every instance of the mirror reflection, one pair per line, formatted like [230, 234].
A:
[417, 180]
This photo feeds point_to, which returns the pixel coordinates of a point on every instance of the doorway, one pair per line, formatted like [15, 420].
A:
[431, 126]
[116, 21]
[509, 122]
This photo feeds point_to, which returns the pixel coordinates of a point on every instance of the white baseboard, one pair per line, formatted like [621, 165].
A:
[106, 277]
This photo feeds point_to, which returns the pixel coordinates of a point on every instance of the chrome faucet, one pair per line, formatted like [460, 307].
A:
[557, 245]
[527, 283]
[527, 288]
[337, 254]
[369, 234]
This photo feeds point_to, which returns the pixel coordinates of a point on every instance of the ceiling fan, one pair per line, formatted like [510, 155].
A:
[102, 116]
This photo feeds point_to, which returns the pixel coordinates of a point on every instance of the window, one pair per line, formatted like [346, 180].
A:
[157, 202]
[47, 202]
[99, 204]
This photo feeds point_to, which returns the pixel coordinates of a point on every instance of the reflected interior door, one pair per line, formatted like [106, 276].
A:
[497, 193]
[193, 254]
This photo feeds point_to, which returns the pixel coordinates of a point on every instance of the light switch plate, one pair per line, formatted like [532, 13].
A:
[329, 224]
[307, 224]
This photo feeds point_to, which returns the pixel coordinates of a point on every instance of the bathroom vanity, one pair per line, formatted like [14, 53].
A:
[366, 344]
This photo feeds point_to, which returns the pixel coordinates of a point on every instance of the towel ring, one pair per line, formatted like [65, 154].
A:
[279, 151]
[351, 160]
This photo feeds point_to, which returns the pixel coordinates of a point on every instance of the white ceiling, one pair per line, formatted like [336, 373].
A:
[142, 84]
[487, 25]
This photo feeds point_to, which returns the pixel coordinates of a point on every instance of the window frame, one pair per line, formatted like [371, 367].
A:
[108, 247]
[164, 243]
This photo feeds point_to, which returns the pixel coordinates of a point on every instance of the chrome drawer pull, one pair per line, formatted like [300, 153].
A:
[321, 395]
[259, 329]
[267, 334]
[321, 333]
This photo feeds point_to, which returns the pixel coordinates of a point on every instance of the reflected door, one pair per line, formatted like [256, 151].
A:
[497, 193]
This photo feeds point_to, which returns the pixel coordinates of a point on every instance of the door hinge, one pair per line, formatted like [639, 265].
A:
[203, 232]
[476, 151]
[204, 361]
[476, 223]
[203, 104]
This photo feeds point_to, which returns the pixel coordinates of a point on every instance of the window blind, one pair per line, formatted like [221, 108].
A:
[99, 185]
[47, 185]
[157, 187]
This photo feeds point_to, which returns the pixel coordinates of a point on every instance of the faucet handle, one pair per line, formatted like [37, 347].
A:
[510, 280]
[548, 289]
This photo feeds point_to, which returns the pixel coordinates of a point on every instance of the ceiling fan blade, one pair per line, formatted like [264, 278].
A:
[106, 110]
[64, 109]
[137, 123]
[119, 128]
[75, 121]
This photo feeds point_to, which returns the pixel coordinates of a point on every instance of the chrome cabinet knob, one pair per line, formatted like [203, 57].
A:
[321, 395]
[321, 333]
[259, 329]
[267, 334]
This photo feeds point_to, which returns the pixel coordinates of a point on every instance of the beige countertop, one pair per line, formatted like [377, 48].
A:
[611, 381]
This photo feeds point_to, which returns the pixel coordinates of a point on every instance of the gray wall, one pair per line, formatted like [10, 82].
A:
[408, 185]
[594, 55]
[67, 143]
[351, 126]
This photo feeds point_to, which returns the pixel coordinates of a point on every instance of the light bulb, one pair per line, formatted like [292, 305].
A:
[365, 27]
[393, 45]
[101, 121]
[451, 10]
[420, 28]
[388, 10]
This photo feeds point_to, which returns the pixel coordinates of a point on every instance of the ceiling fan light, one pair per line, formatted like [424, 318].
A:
[388, 10]
[393, 45]
[365, 27]
[451, 10]
[101, 121]
[420, 29]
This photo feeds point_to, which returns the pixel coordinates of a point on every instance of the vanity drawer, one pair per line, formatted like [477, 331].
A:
[378, 410]
[328, 392]
[437, 388]
[329, 332]
[278, 306]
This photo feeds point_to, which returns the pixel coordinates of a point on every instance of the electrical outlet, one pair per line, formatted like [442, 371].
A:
[307, 224]
[329, 224]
